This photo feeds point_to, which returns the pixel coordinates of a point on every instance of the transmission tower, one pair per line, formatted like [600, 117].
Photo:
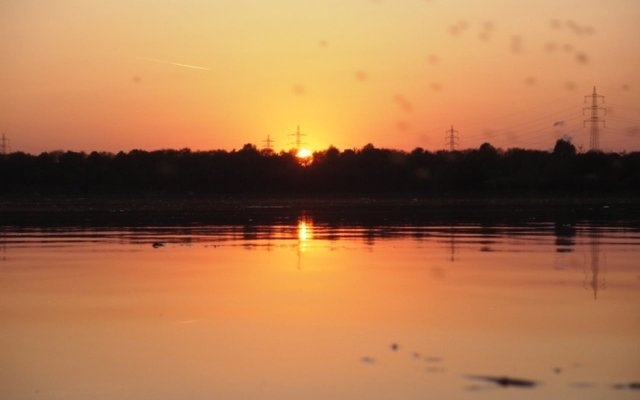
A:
[298, 135]
[268, 143]
[595, 120]
[4, 144]
[452, 138]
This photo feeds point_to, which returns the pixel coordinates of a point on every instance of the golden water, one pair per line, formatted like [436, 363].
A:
[311, 312]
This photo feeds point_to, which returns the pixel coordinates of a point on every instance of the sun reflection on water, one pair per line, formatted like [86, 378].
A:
[305, 230]
[305, 234]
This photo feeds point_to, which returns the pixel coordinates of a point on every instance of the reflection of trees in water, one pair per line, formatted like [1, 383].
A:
[254, 235]
[565, 237]
[269, 237]
[249, 236]
[372, 233]
[3, 246]
[565, 234]
[487, 233]
[332, 231]
[369, 236]
[249, 233]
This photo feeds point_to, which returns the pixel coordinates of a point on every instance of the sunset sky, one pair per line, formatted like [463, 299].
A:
[118, 75]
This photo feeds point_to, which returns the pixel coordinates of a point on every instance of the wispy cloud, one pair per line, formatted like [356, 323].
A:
[173, 63]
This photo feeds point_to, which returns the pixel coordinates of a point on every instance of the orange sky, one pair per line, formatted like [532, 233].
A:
[94, 75]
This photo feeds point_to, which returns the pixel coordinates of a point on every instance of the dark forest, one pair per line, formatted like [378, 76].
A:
[482, 172]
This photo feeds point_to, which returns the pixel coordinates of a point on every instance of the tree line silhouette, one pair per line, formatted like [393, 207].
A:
[486, 171]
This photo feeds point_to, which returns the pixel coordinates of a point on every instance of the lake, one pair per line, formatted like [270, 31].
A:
[314, 307]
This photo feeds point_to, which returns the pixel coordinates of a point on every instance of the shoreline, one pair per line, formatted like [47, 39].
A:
[252, 210]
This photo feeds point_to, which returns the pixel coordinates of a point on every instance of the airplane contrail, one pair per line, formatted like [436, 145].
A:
[173, 63]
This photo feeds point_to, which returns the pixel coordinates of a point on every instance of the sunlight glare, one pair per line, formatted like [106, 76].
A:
[305, 230]
[305, 157]
[304, 153]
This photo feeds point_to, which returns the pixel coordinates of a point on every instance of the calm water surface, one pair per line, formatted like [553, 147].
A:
[305, 310]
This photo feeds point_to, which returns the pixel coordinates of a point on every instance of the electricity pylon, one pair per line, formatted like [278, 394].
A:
[298, 135]
[452, 138]
[4, 144]
[268, 143]
[595, 120]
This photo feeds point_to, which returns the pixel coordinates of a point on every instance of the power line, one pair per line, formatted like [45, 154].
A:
[552, 115]
[634, 110]
[532, 130]
[628, 121]
[531, 127]
[595, 120]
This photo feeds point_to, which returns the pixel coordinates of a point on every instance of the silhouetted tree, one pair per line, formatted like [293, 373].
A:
[486, 171]
[564, 149]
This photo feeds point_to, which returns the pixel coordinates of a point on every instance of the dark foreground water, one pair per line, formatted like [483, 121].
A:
[311, 307]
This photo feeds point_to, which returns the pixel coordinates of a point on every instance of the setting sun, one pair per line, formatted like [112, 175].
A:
[305, 157]
[304, 154]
